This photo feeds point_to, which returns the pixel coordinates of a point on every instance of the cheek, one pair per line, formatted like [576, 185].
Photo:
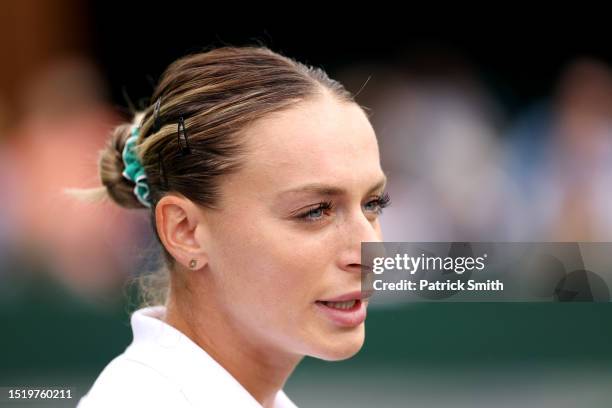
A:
[269, 276]
[270, 269]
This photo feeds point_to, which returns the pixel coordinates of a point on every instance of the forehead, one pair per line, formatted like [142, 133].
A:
[321, 140]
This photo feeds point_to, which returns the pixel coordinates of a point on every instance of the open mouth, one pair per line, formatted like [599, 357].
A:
[348, 305]
[345, 313]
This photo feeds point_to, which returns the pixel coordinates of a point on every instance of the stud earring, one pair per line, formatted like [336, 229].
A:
[192, 263]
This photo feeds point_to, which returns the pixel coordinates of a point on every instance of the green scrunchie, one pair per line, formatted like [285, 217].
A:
[133, 169]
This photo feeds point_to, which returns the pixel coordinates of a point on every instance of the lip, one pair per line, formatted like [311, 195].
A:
[358, 294]
[345, 317]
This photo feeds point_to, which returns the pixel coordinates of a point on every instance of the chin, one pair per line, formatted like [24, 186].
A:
[341, 345]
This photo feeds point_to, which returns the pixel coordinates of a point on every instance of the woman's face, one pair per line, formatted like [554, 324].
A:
[274, 254]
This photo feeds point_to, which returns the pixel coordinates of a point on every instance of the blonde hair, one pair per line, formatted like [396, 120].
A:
[218, 92]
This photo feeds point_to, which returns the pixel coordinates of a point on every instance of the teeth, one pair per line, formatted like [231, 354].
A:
[341, 305]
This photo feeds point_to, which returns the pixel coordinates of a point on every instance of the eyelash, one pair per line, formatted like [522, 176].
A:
[380, 201]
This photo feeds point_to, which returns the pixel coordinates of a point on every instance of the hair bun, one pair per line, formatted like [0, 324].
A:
[111, 166]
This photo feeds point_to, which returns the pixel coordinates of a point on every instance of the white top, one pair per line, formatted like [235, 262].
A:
[162, 367]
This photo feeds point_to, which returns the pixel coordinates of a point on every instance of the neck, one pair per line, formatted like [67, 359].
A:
[259, 368]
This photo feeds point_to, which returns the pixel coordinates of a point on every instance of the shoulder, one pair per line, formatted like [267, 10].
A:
[127, 382]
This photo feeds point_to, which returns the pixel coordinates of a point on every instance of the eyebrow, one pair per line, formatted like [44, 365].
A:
[330, 190]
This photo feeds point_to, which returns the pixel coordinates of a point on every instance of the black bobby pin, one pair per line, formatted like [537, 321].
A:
[183, 149]
[156, 123]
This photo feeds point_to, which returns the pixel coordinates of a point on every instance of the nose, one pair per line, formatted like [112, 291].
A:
[356, 229]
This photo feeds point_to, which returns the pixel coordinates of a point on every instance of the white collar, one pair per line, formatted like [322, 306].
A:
[184, 363]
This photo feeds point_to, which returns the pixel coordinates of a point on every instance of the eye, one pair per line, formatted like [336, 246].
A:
[379, 203]
[315, 214]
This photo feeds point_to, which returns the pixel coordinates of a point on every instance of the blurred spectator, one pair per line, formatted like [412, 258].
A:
[561, 151]
[89, 247]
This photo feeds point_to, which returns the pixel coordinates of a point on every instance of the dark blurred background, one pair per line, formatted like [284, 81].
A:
[493, 133]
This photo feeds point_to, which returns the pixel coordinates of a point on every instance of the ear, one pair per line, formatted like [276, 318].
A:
[182, 229]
